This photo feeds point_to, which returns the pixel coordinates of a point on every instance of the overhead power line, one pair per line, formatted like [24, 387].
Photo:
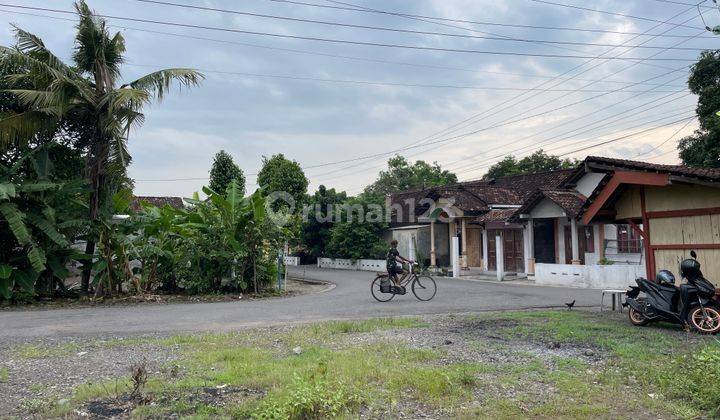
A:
[321, 54]
[479, 22]
[457, 126]
[341, 41]
[407, 31]
[665, 141]
[398, 84]
[572, 6]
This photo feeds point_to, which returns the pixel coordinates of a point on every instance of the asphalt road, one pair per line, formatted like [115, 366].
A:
[349, 299]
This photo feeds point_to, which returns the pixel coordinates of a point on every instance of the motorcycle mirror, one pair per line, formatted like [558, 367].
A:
[693, 254]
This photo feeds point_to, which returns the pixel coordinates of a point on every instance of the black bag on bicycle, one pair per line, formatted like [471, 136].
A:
[385, 286]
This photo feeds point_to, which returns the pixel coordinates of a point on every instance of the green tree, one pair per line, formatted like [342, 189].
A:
[318, 221]
[223, 171]
[358, 233]
[536, 162]
[401, 175]
[279, 174]
[88, 90]
[702, 148]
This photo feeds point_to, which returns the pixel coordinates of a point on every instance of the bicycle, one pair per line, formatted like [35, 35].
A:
[422, 286]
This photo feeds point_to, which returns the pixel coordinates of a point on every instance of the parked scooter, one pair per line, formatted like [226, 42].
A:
[693, 303]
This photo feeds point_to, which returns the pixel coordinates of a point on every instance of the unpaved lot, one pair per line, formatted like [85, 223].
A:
[514, 364]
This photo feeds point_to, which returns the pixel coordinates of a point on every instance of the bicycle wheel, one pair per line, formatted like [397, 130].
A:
[377, 294]
[424, 288]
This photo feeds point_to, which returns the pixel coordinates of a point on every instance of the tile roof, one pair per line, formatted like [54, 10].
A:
[527, 184]
[175, 202]
[570, 201]
[708, 174]
[497, 215]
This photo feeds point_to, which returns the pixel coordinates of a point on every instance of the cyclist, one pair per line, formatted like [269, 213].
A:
[393, 258]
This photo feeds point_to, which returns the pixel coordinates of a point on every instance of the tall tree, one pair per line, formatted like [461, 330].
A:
[279, 174]
[702, 149]
[88, 90]
[224, 171]
[323, 206]
[401, 175]
[537, 162]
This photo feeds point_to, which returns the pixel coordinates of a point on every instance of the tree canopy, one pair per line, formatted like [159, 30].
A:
[279, 174]
[223, 171]
[537, 162]
[316, 227]
[401, 175]
[702, 148]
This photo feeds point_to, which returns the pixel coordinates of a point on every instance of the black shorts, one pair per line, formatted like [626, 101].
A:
[394, 270]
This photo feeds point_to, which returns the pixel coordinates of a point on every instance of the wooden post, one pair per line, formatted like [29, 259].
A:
[574, 242]
[432, 244]
[649, 252]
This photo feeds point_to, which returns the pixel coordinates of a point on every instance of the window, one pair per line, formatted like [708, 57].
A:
[628, 240]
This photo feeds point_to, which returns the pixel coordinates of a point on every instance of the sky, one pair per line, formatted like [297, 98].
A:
[341, 110]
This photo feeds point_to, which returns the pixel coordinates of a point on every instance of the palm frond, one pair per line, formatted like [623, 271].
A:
[24, 126]
[31, 44]
[7, 191]
[159, 82]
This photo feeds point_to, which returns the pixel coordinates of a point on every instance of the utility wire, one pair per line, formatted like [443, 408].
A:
[477, 22]
[344, 57]
[397, 84]
[341, 41]
[408, 31]
[667, 140]
[572, 6]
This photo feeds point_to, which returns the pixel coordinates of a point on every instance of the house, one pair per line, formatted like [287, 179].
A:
[674, 209]
[535, 225]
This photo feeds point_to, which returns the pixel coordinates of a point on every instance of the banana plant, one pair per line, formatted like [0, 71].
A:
[36, 222]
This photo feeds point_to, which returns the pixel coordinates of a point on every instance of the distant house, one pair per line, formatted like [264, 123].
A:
[174, 202]
[538, 225]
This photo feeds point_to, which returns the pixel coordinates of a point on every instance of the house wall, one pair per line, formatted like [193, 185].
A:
[404, 236]
[588, 276]
[685, 230]
[587, 184]
[546, 209]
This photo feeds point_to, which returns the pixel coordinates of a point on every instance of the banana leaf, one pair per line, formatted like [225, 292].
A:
[14, 218]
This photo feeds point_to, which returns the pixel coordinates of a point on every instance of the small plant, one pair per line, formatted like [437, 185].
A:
[139, 377]
[605, 261]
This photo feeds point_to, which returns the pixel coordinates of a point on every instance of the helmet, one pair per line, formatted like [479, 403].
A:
[666, 278]
[690, 269]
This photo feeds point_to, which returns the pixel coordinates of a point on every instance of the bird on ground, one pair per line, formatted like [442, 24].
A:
[570, 304]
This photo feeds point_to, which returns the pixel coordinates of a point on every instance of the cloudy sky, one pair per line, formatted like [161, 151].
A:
[342, 108]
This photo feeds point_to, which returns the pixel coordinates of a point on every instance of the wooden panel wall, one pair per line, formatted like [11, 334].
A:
[474, 245]
[669, 259]
[681, 196]
[628, 205]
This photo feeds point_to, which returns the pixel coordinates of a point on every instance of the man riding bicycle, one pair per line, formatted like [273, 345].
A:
[393, 258]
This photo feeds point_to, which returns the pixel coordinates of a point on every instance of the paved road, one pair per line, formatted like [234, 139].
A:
[349, 299]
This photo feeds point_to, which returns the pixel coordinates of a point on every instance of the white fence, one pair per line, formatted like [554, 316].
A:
[343, 264]
[291, 260]
[615, 276]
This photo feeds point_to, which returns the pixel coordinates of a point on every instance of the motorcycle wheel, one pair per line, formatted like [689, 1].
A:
[707, 322]
[637, 318]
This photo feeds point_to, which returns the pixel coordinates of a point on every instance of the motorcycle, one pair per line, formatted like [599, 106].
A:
[693, 303]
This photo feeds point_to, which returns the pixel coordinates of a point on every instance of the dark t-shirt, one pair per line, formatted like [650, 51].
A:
[391, 261]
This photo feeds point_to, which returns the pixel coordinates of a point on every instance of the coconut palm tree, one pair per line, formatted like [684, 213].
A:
[53, 92]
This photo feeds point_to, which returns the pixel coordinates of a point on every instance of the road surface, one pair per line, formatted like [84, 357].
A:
[349, 299]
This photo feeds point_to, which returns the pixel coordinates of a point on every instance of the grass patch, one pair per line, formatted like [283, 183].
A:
[4, 375]
[332, 369]
[41, 351]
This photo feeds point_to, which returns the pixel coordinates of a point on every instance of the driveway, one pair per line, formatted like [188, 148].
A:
[349, 299]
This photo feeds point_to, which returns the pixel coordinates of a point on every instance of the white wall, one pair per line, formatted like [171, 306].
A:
[546, 209]
[617, 276]
[587, 184]
[359, 265]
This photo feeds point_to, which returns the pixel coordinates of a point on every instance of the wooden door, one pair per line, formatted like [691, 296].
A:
[492, 254]
[513, 250]
[474, 247]
[582, 244]
[544, 240]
